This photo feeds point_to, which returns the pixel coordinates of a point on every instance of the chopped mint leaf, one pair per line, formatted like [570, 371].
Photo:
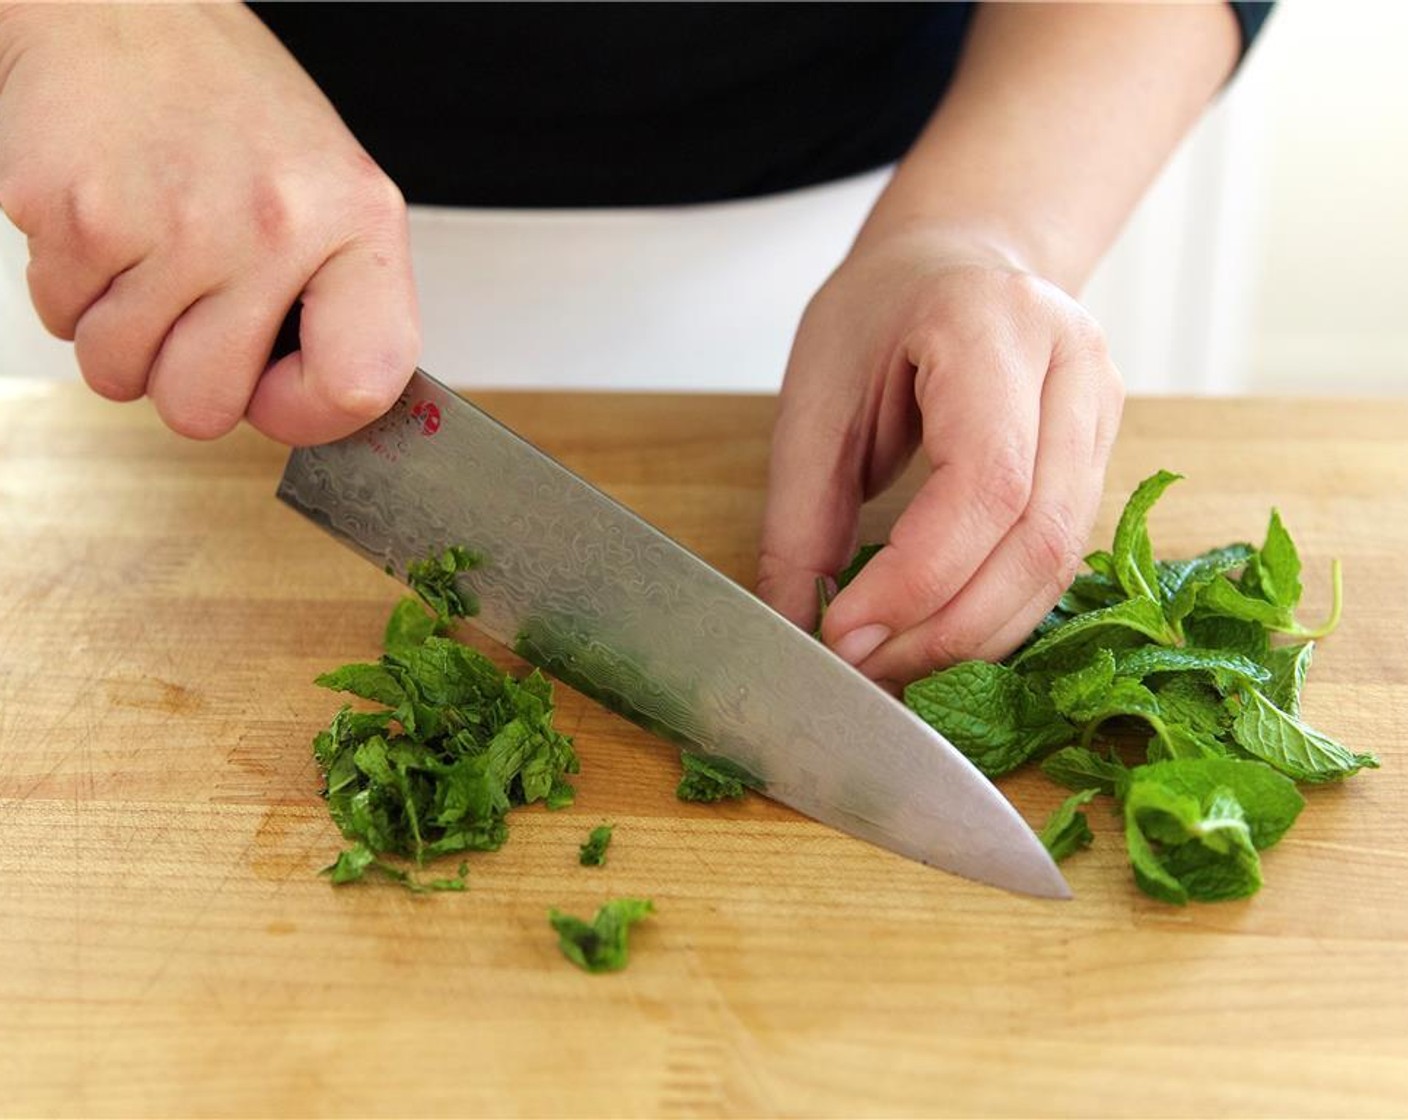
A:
[561, 795]
[1067, 831]
[600, 946]
[436, 580]
[593, 852]
[712, 778]
[408, 626]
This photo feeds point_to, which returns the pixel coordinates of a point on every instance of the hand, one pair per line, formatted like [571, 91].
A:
[183, 183]
[930, 338]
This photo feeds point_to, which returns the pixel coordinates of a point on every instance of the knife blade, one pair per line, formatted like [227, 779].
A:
[582, 587]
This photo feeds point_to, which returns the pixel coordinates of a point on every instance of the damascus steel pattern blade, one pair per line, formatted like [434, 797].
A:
[585, 589]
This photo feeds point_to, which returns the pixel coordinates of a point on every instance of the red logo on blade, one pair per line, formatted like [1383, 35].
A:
[427, 415]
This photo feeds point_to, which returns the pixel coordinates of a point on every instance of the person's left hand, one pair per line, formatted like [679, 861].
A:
[935, 338]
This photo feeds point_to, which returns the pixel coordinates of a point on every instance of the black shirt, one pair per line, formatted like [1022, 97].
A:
[576, 104]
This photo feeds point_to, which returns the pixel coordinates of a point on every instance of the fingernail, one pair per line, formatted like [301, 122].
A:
[860, 643]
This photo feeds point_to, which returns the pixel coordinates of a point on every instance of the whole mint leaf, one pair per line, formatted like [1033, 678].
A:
[1133, 553]
[1288, 666]
[1222, 597]
[1234, 635]
[989, 713]
[1195, 703]
[1291, 746]
[1094, 693]
[1142, 616]
[1180, 580]
[1273, 573]
[1220, 664]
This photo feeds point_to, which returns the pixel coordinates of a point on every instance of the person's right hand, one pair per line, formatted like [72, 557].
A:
[183, 183]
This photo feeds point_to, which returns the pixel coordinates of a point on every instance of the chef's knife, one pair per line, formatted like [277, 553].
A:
[582, 587]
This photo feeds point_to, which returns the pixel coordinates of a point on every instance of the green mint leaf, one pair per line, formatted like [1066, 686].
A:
[1188, 700]
[408, 626]
[1273, 573]
[1094, 693]
[1067, 830]
[1080, 768]
[1182, 847]
[371, 682]
[1181, 580]
[1102, 563]
[1292, 747]
[560, 795]
[602, 945]
[1287, 667]
[1142, 616]
[436, 774]
[1089, 592]
[436, 580]
[990, 713]
[1222, 597]
[350, 865]
[712, 778]
[1174, 740]
[1270, 801]
[864, 555]
[593, 852]
[1132, 552]
[1230, 634]
[1220, 664]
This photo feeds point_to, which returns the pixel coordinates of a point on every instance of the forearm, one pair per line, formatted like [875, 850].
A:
[1059, 117]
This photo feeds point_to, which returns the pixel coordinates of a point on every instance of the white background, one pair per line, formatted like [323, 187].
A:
[1268, 258]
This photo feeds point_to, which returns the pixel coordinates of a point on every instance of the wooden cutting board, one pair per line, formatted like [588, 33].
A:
[167, 947]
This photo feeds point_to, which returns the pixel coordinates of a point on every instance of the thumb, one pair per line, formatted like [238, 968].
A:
[360, 341]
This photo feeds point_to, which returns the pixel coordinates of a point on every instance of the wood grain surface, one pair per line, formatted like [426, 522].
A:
[168, 949]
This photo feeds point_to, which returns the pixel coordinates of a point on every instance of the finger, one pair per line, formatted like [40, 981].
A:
[75, 259]
[1036, 560]
[980, 401]
[207, 369]
[116, 340]
[813, 502]
[360, 341]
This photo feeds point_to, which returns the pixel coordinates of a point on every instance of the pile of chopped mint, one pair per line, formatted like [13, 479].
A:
[456, 743]
[1171, 686]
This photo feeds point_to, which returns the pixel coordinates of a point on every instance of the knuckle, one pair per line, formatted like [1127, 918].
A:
[1003, 485]
[1051, 544]
[940, 648]
[377, 196]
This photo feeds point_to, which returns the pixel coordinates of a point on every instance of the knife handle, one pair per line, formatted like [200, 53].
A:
[286, 341]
